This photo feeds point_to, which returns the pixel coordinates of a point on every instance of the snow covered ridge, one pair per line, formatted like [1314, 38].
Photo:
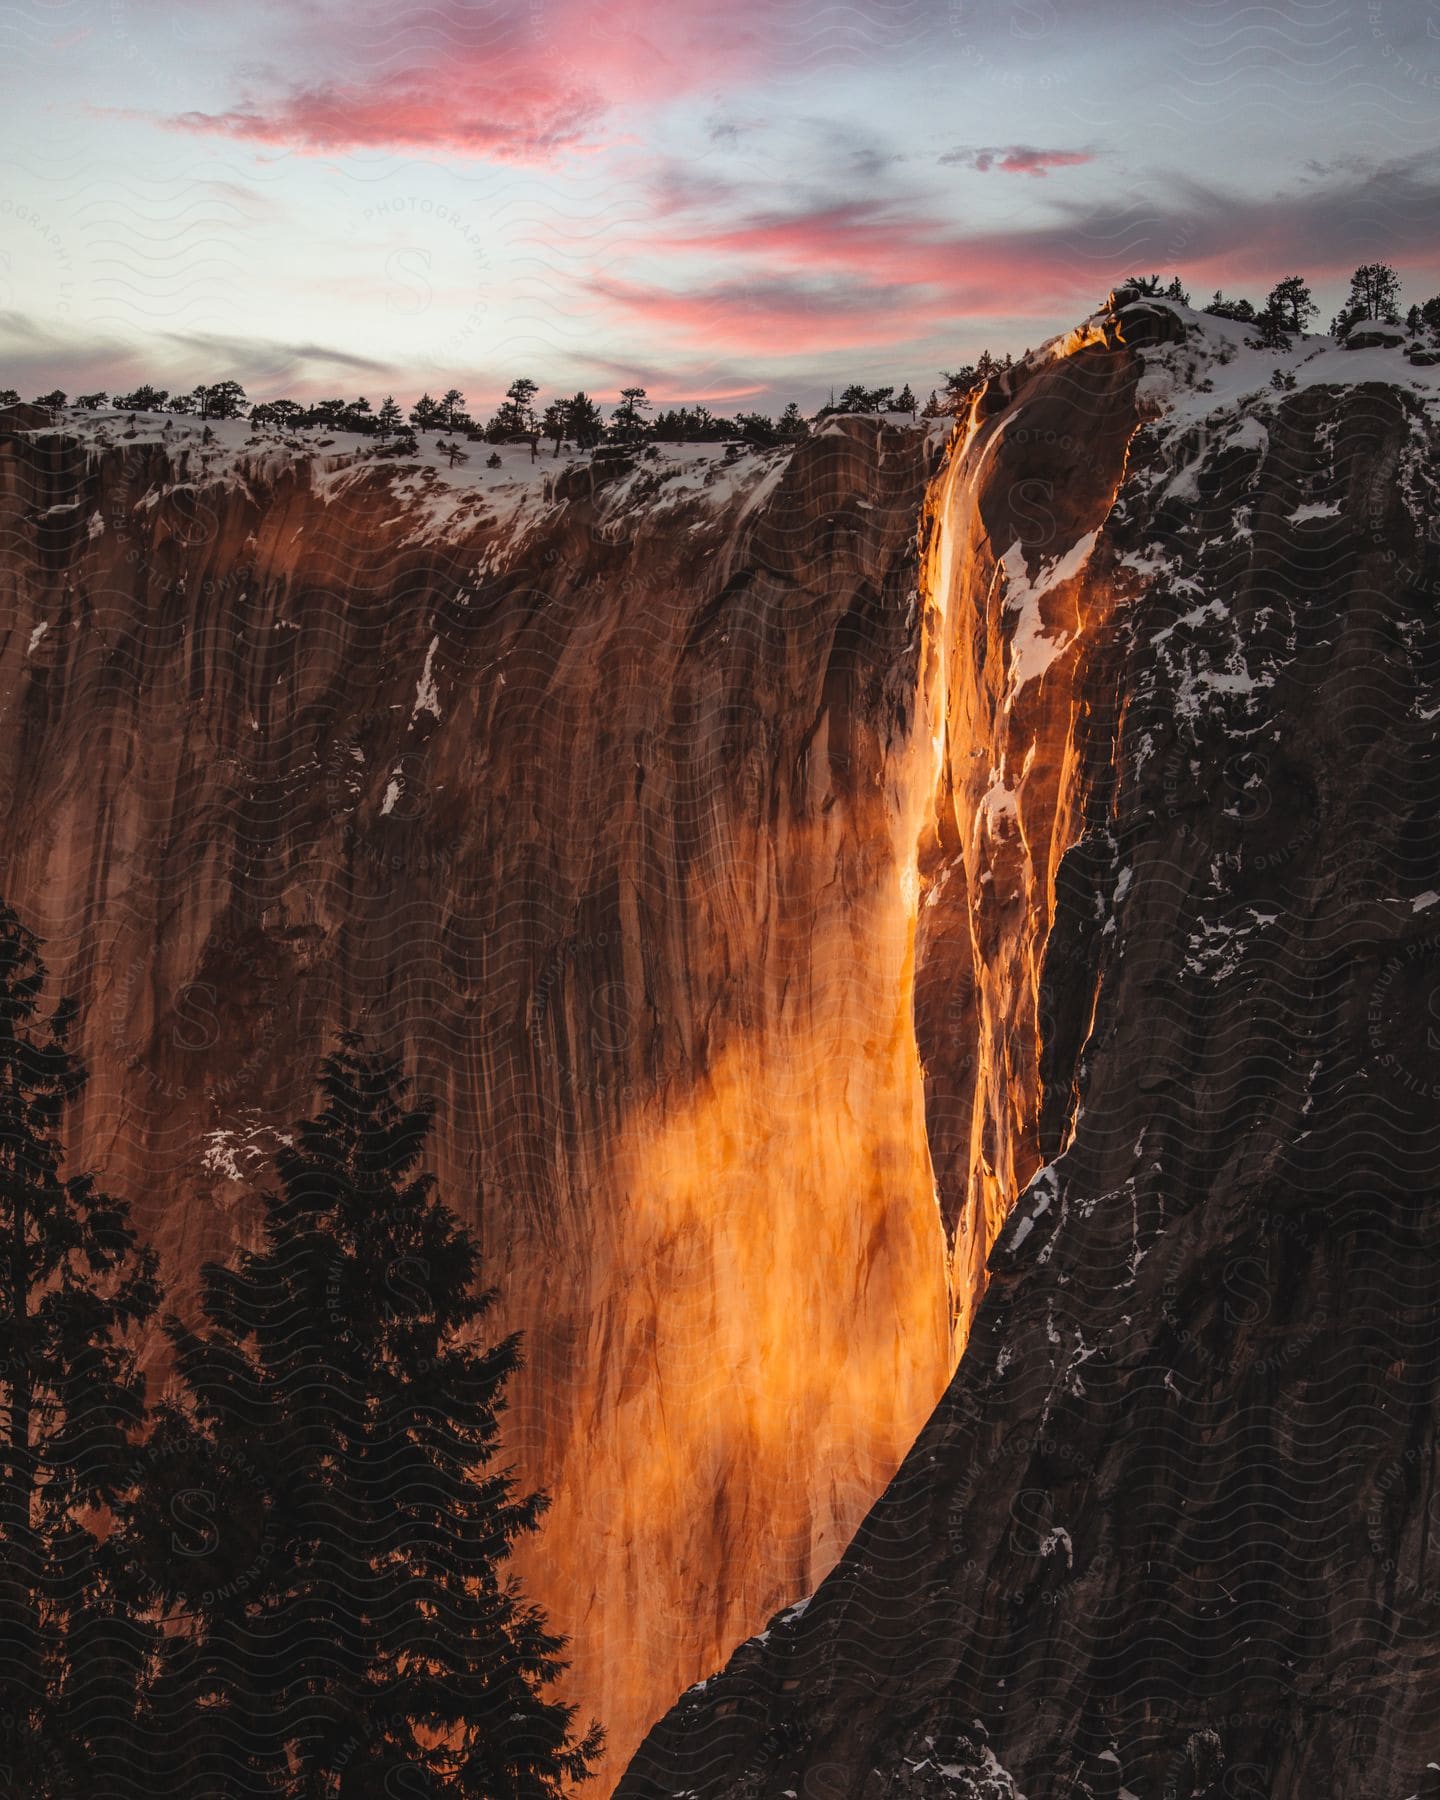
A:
[1250, 459]
[1218, 369]
[445, 491]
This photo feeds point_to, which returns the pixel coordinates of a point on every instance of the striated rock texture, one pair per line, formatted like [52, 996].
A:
[600, 796]
[1006, 534]
[1173, 1529]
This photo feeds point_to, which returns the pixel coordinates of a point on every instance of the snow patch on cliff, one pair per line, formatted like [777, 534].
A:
[1032, 646]
[239, 1152]
[427, 695]
[966, 1768]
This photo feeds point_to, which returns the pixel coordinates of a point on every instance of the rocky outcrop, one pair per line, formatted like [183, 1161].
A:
[1171, 1530]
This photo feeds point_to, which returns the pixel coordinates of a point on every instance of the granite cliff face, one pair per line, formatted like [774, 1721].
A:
[775, 867]
[599, 791]
[1172, 1529]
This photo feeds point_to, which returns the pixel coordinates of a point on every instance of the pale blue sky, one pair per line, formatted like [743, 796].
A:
[758, 200]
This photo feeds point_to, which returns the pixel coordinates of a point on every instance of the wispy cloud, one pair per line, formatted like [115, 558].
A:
[499, 123]
[506, 84]
[252, 351]
[773, 315]
[1015, 159]
[34, 351]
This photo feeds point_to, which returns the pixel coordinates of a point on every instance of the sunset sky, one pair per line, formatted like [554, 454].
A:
[741, 202]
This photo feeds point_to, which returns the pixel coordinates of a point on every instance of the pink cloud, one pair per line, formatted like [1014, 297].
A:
[1016, 159]
[772, 315]
[856, 275]
[991, 273]
[518, 85]
[509, 124]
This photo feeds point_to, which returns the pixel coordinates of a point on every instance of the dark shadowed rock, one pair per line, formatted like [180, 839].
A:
[1172, 1530]
[1375, 337]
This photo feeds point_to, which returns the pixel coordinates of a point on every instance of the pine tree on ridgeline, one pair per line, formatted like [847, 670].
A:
[556, 422]
[426, 413]
[1375, 293]
[1374, 297]
[586, 424]
[452, 405]
[1292, 302]
[515, 416]
[224, 400]
[627, 422]
[371, 1637]
[1239, 309]
[74, 1287]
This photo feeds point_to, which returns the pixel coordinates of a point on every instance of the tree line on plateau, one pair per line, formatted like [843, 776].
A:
[576, 418]
[1290, 307]
[1288, 311]
[287, 1577]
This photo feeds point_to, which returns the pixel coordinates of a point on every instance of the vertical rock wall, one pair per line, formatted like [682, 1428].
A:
[605, 811]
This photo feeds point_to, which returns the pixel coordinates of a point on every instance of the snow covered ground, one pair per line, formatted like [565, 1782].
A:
[447, 489]
[1216, 369]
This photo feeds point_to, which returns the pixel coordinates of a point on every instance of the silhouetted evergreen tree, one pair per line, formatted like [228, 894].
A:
[1374, 294]
[142, 399]
[627, 422]
[556, 422]
[515, 414]
[585, 421]
[1292, 302]
[284, 413]
[341, 1379]
[1239, 309]
[425, 413]
[958, 382]
[857, 398]
[73, 1285]
[225, 400]
[1272, 329]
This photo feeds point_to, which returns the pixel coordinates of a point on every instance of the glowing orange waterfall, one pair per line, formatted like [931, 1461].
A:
[1008, 531]
[706, 890]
